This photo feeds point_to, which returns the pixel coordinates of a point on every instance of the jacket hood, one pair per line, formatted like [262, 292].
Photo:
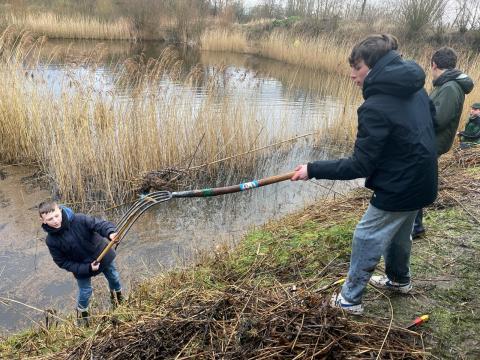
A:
[394, 76]
[67, 216]
[465, 82]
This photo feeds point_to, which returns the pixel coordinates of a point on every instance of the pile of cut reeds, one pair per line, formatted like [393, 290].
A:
[245, 321]
[459, 180]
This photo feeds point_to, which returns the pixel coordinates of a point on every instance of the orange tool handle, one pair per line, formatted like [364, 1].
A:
[418, 321]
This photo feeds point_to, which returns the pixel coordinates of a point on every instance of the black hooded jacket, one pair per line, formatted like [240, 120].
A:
[78, 242]
[395, 146]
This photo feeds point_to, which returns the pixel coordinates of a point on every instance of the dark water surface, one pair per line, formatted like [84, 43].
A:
[174, 231]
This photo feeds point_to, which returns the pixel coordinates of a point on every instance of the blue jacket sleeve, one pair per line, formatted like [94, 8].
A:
[373, 132]
[62, 261]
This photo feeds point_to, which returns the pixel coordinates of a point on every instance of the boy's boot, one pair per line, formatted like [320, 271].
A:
[116, 298]
[120, 297]
[83, 318]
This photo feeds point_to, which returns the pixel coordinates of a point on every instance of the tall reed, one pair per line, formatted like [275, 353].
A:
[73, 27]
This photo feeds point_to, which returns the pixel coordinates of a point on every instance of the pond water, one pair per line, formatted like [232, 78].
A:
[173, 232]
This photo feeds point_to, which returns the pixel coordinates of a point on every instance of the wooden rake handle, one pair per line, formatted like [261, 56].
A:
[217, 191]
[233, 188]
[104, 252]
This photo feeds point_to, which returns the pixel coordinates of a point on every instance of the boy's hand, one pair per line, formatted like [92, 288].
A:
[113, 237]
[95, 265]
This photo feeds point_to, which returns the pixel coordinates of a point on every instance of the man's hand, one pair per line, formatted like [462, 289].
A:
[301, 173]
[113, 237]
[95, 265]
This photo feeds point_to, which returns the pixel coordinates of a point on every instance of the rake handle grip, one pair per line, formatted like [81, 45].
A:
[233, 188]
[104, 252]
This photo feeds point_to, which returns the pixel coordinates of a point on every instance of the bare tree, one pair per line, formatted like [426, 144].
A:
[418, 16]
[364, 3]
[466, 15]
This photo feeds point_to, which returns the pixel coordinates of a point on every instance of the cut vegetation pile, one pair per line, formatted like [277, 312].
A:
[456, 190]
[244, 321]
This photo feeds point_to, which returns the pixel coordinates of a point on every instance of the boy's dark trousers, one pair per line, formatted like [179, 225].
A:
[418, 228]
[85, 285]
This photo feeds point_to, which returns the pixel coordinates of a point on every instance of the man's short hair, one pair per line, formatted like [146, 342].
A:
[445, 58]
[372, 48]
[476, 106]
[46, 207]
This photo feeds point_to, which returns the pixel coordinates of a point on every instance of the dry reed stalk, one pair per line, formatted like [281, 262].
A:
[459, 180]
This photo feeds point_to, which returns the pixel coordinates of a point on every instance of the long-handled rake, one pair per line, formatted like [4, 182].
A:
[147, 201]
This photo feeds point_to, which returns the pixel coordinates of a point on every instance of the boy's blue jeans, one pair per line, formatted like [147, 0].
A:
[85, 285]
[379, 233]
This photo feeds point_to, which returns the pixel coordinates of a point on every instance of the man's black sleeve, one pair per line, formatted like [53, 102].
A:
[373, 132]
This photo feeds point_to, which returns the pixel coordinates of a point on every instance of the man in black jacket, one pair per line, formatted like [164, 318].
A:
[395, 151]
[75, 241]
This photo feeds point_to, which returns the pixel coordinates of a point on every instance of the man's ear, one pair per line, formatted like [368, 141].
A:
[434, 66]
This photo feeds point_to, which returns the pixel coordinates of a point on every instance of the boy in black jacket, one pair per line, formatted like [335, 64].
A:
[75, 241]
[395, 151]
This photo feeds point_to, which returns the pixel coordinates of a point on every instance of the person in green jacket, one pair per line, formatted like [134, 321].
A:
[448, 95]
[470, 137]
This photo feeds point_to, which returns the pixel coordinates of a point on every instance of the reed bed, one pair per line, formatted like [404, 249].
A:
[322, 53]
[329, 54]
[326, 53]
[223, 39]
[92, 147]
[73, 27]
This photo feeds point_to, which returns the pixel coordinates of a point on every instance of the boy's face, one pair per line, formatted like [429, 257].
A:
[53, 218]
[359, 72]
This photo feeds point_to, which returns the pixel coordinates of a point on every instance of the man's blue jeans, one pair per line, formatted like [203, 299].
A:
[85, 285]
[379, 233]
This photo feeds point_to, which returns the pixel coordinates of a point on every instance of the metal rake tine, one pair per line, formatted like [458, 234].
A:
[133, 219]
[130, 210]
[150, 201]
[139, 209]
[156, 196]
